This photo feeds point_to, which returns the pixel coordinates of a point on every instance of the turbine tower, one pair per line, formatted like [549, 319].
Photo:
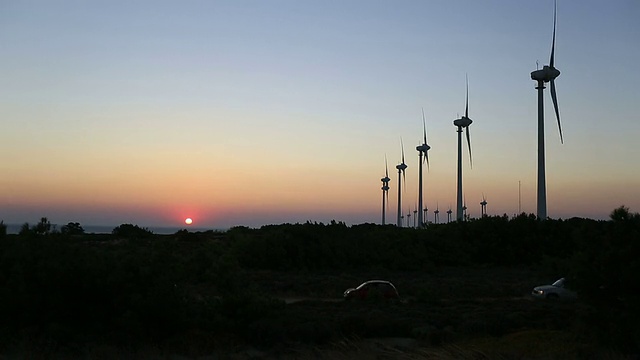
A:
[548, 73]
[436, 217]
[422, 150]
[401, 168]
[461, 123]
[449, 215]
[426, 212]
[409, 218]
[483, 207]
[415, 212]
[385, 190]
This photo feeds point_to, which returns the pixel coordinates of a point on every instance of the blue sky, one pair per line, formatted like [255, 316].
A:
[254, 112]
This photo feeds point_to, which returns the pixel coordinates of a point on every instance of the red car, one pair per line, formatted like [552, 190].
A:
[371, 289]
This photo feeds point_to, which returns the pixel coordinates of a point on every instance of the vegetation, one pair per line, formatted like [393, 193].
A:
[464, 284]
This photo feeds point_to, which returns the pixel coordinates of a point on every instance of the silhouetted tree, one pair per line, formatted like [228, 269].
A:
[622, 214]
[25, 230]
[3, 229]
[131, 231]
[43, 227]
[72, 228]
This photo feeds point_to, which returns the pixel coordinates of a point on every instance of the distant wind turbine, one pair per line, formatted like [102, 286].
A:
[415, 211]
[461, 123]
[401, 174]
[422, 151]
[483, 206]
[548, 73]
[449, 215]
[464, 208]
[436, 217]
[426, 212]
[385, 191]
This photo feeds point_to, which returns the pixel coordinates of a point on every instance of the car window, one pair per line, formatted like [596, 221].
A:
[559, 283]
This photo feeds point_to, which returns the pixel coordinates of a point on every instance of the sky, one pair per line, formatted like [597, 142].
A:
[253, 112]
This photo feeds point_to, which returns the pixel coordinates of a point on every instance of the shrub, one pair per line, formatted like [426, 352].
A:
[131, 231]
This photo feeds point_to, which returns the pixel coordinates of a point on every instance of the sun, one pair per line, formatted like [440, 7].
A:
[188, 221]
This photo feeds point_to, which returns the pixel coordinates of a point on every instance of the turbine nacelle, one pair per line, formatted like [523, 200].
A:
[385, 179]
[385, 187]
[401, 166]
[546, 74]
[462, 122]
[423, 148]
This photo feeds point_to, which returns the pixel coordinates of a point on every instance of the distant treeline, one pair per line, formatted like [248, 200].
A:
[132, 286]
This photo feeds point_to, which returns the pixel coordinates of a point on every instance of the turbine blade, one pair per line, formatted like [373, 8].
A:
[386, 166]
[466, 110]
[553, 43]
[424, 127]
[554, 98]
[402, 146]
[426, 156]
[469, 145]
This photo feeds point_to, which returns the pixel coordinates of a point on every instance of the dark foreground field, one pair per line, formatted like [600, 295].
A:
[276, 292]
[448, 313]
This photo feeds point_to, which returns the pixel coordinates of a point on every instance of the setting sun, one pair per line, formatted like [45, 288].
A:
[188, 221]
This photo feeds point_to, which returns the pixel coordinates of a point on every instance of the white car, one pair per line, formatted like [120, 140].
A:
[557, 290]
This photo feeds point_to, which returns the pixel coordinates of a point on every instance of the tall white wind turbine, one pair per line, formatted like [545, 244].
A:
[401, 174]
[547, 74]
[385, 190]
[461, 123]
[424, 157]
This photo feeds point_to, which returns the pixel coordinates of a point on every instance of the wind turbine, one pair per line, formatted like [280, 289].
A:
[385, 190]
[449, 215]
[401, 168]
[435, 214]
[483, 207]
[426, 212]
[422, 150]
[548, 73]
[461, 123]
[415, 211]
[464, 208]
[409, 218]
